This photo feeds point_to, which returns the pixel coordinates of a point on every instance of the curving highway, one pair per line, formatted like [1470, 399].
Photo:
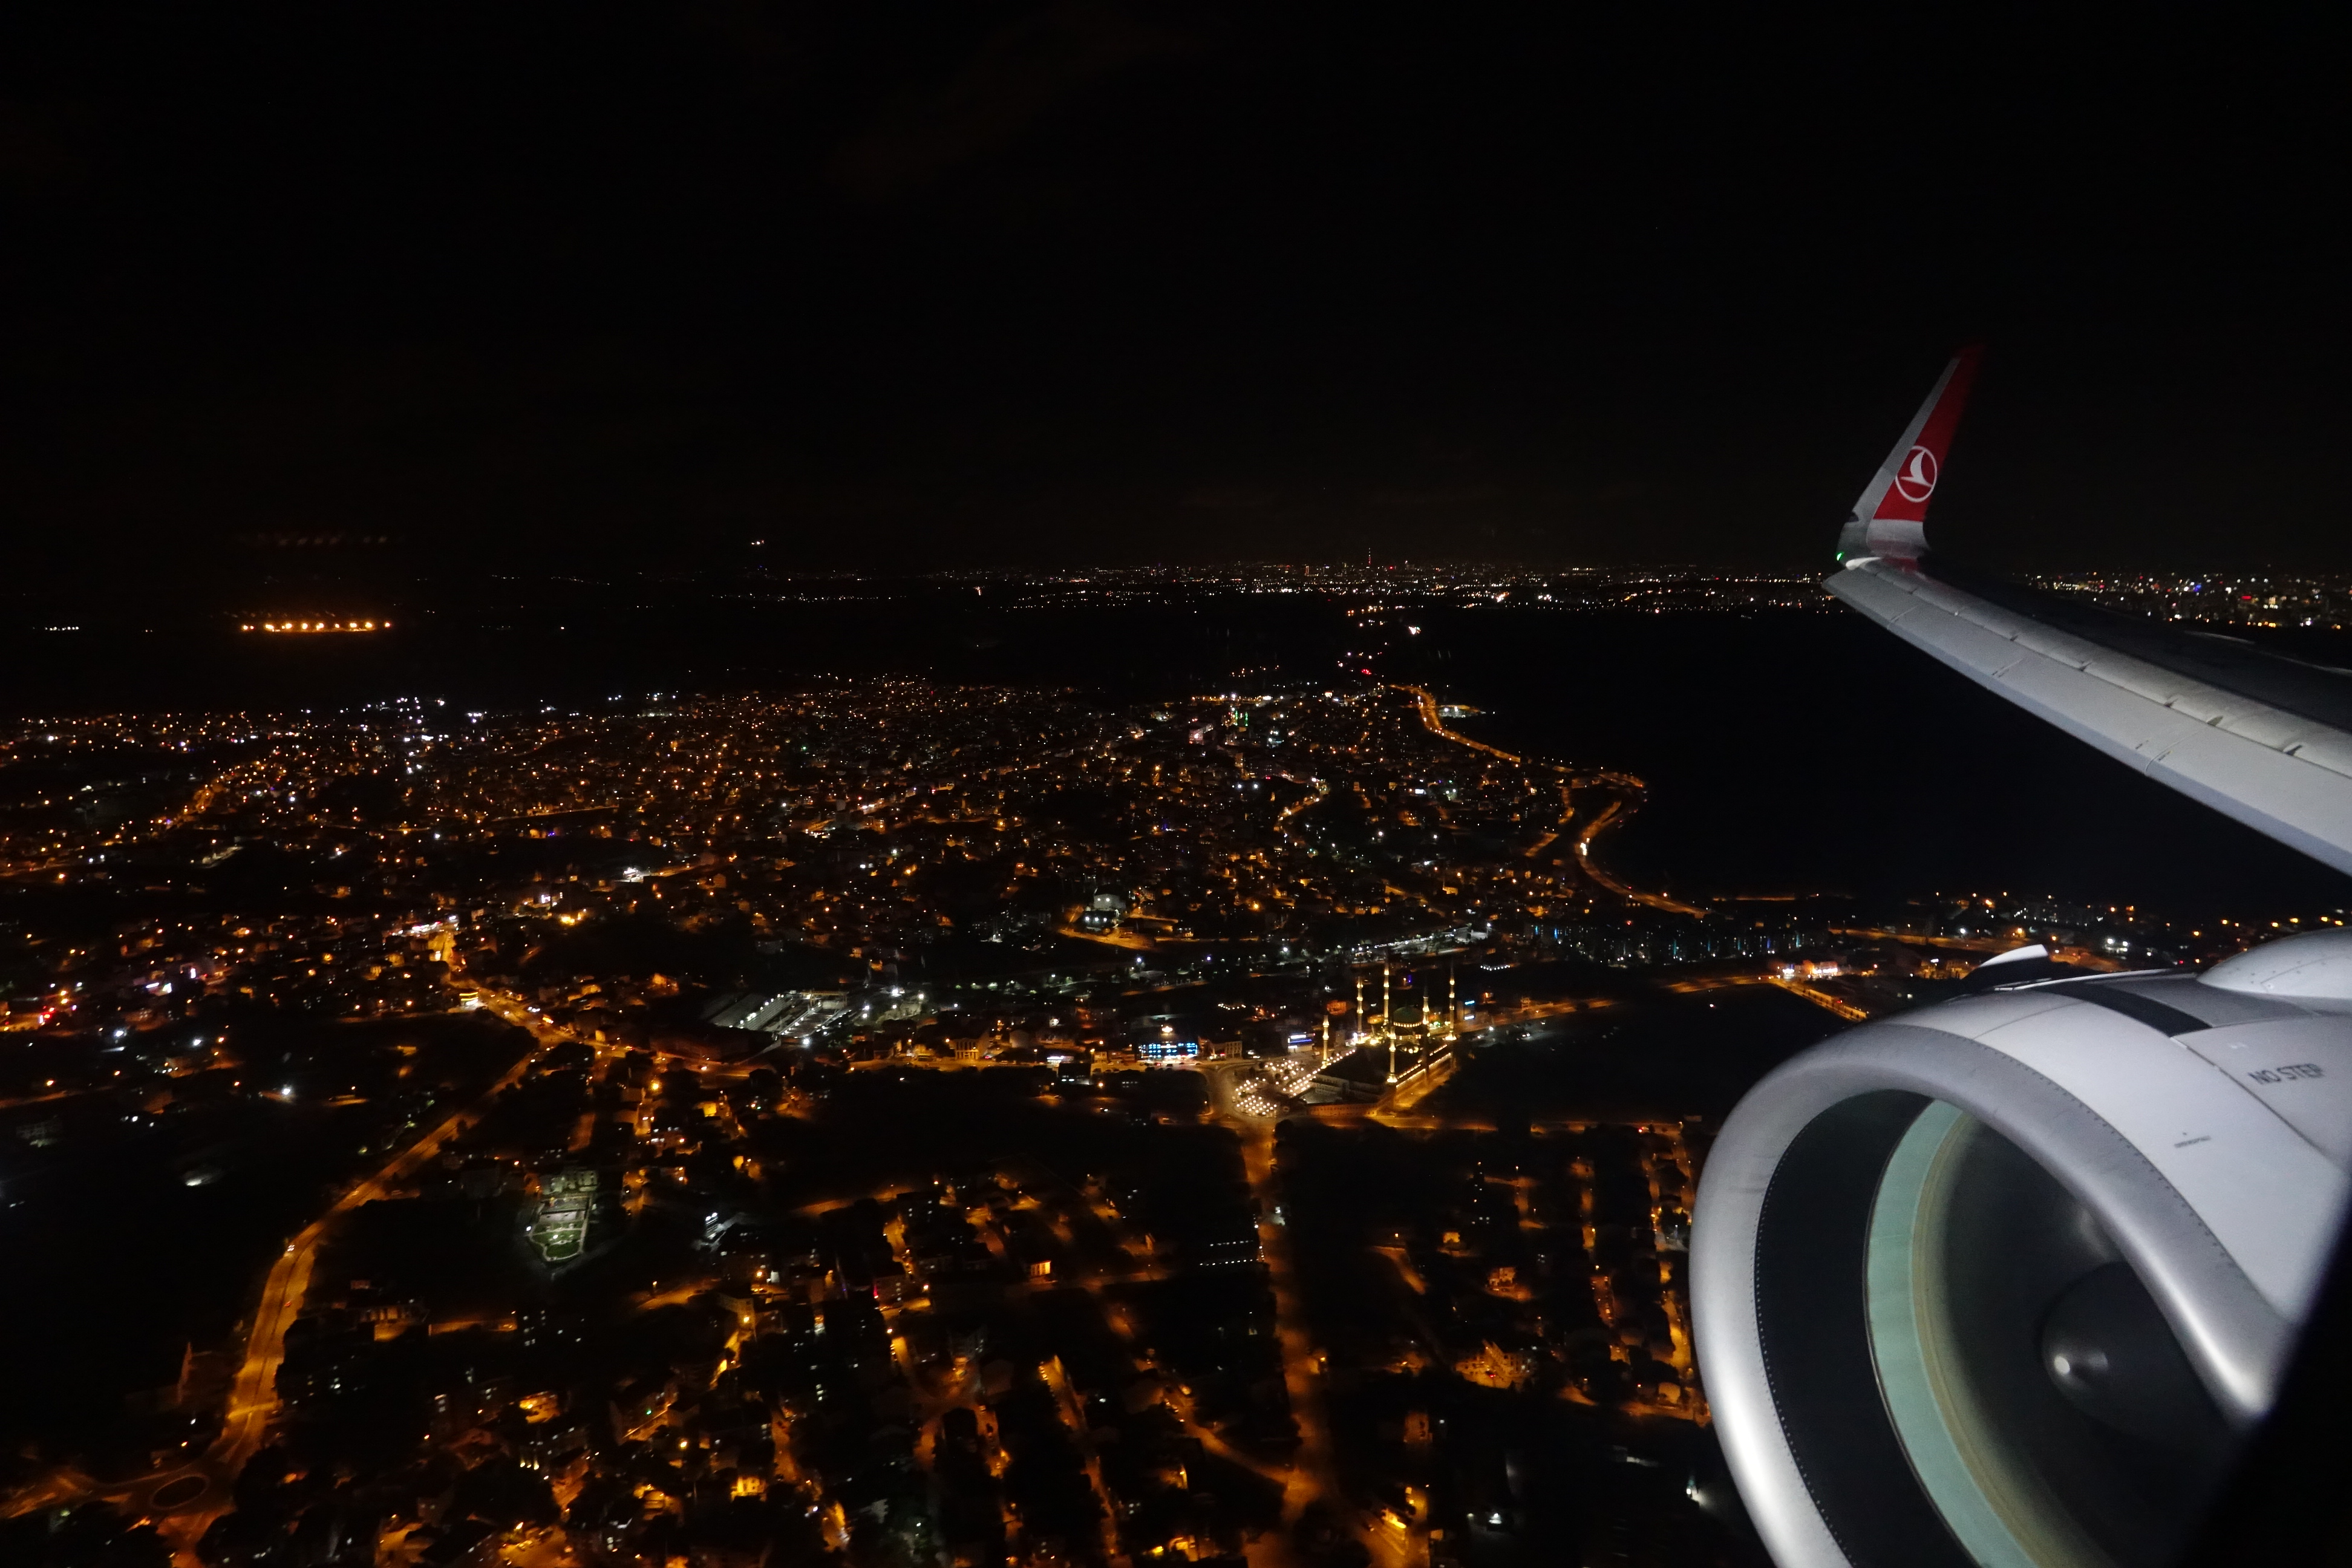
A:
[253, 1396]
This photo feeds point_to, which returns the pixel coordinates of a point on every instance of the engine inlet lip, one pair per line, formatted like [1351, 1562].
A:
[2236, 1340]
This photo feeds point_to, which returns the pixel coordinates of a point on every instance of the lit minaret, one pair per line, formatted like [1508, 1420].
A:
[1387, 1026]
[1357, 1026]
[1453, 1012]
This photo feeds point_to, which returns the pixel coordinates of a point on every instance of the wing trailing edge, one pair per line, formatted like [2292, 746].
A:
[2281, 773]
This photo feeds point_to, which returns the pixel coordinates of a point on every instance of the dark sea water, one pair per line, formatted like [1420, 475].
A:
[1800, 752]
[1786, 752]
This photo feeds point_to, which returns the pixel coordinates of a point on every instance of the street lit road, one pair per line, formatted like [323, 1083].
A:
[1311, 1474]
[1844, 1009]
[253, 1396]
[1614, 812]
[1302, 1364]
[1988, 943]
[1431, 722]
[1852, 1012]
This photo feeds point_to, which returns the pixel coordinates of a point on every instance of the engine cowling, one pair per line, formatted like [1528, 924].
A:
[2003, 1280]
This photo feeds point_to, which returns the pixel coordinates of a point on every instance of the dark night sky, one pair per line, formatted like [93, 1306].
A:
[619, 286]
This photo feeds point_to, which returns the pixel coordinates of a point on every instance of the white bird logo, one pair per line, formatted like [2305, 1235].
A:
[1916, 483]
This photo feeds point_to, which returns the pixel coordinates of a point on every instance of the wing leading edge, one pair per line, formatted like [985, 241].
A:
[2264, 740]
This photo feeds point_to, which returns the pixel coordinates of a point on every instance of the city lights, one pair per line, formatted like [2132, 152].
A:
[569, 974]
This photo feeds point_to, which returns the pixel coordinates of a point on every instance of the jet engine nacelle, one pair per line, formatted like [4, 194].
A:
[2003, 1280]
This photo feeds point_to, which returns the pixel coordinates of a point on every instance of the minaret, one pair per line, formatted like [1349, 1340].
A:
[1357, 1025]
[1388, 1026]
[1453, 1010]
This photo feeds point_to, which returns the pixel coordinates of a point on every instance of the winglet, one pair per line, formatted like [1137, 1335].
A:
[1891, 518]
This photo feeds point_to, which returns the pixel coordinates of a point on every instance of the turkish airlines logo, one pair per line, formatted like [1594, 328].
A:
[1916, 483]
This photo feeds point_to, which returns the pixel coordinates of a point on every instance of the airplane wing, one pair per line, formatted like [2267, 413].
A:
[2257, 736]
